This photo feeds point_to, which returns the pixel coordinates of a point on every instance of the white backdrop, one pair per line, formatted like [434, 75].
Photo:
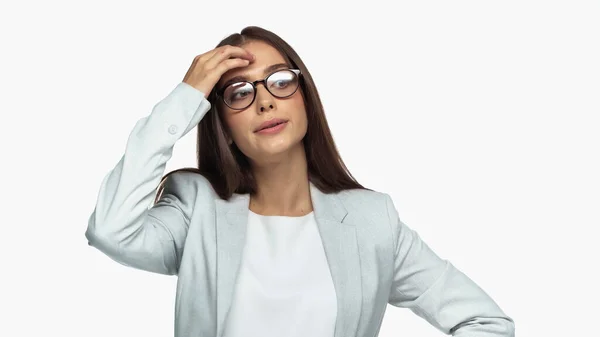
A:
[480, 118]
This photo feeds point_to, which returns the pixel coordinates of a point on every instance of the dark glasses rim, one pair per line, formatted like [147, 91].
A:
[295, 71]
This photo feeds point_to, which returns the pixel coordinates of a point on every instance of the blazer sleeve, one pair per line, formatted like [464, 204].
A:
[438, 292]
[125, 224]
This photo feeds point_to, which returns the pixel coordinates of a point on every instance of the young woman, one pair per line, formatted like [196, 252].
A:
[270, 236]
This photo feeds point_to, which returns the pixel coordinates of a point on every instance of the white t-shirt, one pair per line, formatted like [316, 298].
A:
[284, 287]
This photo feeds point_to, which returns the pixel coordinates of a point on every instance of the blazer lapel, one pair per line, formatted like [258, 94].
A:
[341, 248]
[339, 242]
[232, 217]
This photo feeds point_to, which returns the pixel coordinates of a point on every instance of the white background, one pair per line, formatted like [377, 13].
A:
[480, 118]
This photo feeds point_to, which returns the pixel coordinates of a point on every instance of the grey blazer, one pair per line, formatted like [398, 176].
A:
[374, 258]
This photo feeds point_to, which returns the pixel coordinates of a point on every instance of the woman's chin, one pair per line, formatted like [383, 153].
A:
[275, 151]
[275, 145]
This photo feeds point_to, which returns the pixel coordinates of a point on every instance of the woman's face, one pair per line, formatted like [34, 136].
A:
[262, 147]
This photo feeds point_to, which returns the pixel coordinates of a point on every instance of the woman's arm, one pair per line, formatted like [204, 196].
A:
[438, 292]
[121, 225]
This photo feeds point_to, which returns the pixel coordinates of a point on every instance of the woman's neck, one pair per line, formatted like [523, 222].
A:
[283, 187]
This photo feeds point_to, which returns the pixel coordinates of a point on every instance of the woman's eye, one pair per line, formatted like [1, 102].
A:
[281, 84]
[240, 94]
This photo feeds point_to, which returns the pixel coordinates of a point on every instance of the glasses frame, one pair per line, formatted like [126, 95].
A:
[220, 92]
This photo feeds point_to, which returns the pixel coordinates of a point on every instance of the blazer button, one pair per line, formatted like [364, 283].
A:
[173, 129]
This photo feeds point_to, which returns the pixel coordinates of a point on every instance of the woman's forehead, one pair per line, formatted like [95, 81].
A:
[268, 59]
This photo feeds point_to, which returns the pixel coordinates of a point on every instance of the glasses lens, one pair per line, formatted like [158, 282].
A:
[238, 95]
[282, 83]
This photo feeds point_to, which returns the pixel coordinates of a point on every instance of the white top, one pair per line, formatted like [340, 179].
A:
[284, 287]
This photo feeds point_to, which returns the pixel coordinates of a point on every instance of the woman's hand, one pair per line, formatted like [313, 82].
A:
[206, 69]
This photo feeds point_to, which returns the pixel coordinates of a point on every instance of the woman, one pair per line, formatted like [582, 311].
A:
[271, 235]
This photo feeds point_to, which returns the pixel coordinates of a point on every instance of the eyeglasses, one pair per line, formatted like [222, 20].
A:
[281, 84]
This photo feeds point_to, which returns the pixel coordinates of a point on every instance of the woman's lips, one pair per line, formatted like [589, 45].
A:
[269, 123]
[273, 129]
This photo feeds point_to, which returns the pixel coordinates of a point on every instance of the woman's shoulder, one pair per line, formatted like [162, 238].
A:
[365, 200]
[186, 183]
[364, 195]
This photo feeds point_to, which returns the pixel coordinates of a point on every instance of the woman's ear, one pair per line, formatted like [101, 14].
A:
[225, 131]
[227, 137]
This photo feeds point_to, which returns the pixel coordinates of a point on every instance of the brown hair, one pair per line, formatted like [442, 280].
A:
[227, 168]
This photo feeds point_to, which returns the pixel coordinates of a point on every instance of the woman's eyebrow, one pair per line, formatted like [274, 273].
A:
[265, 72]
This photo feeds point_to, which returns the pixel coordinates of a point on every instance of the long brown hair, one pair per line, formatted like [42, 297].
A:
[228, 169]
